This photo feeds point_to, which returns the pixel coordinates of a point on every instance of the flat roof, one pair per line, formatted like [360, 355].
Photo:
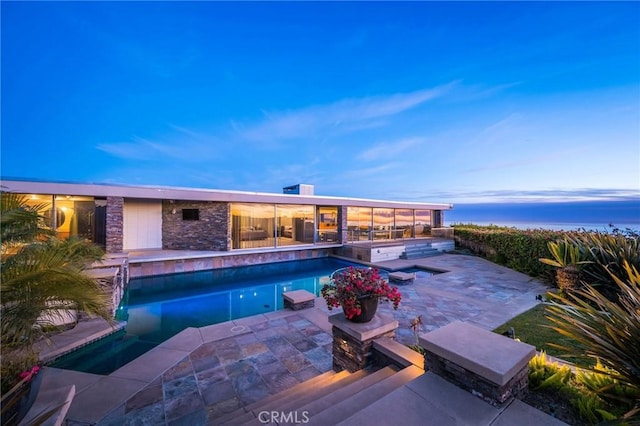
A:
[198, 194]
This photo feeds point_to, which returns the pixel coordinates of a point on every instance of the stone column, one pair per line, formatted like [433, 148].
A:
[115, 224]
[342, 224]
[352, 342]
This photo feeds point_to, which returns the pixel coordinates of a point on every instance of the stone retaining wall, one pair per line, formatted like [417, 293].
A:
[478, 385]
[493, 367]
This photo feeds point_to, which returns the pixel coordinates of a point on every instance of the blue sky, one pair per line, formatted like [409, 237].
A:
[420, 101]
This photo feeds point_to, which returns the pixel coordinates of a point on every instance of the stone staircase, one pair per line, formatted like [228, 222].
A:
[415, 251]
[326, 399]
[464, 386]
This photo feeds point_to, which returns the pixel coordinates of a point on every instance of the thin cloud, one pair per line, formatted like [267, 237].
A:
[277, 129]
[502, 126]
[536, 195]
[371, 171]
[477, 92]
[540, 159]
[389, 149]
[333, 117]
[187, 146]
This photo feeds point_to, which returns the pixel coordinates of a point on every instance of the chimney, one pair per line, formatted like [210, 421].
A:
[299, 189]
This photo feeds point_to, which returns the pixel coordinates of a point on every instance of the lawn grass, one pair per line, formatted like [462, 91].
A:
[533, 328]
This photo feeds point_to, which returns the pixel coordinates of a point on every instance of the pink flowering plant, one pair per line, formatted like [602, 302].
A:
[29, 374]
[349, 285]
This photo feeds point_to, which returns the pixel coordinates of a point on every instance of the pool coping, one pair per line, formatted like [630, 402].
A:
[82, 334]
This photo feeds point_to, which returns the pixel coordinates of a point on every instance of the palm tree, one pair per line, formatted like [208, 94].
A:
[41, 277]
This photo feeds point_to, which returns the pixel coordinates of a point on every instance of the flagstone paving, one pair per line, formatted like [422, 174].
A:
[275, 351]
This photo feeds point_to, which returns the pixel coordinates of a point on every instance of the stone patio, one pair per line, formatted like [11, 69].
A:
[202, 374]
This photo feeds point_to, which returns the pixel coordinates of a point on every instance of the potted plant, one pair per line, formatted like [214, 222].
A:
[357, 290]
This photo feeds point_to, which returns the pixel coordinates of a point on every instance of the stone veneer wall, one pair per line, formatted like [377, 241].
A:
[212, 232]
[342, 224]
[115, 227]
[479, 386]
[352, 354]
[176, 265]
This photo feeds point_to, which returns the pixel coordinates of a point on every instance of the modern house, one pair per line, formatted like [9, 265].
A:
[229, 228]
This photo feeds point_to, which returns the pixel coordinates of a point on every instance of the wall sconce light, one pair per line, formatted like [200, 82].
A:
[173, 211]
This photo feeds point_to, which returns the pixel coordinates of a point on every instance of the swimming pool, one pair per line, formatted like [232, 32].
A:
[157, 308]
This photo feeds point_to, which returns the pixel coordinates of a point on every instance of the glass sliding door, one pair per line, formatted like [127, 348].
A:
[359, 223]
[73, 216]
[327, 224]
[294, 224]
[423, 223]
[383, 224]
[252, 225]
[404, 223]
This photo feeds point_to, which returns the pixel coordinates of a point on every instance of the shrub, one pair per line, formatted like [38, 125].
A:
[607, 331]
[514, 248]
[569, 259]
[608, 253]
[594, 395]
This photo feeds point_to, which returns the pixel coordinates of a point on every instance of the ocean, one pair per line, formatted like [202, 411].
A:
[589, 215]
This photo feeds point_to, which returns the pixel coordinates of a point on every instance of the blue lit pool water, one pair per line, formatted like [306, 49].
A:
[157, 308]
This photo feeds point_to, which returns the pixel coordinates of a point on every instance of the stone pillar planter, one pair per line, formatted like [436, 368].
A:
[352, 342]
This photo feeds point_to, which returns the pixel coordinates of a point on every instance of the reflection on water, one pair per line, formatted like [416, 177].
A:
[157, 308]
[157, 321]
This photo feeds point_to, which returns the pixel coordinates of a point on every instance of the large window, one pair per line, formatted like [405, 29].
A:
[73, 215]
[423, 223]
[404, 223]
[383, 224]
[328, 224]
[252, 225]
[271, 225]
[295, 224]
[358, 223]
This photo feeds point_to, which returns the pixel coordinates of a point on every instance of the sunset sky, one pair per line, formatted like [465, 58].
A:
[418, 101]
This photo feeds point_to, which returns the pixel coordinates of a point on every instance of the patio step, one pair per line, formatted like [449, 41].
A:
[290, 405]
[302, 391]
[367, 396]
[318, 405]
[287, 401]
[419, 250]
[333, 402]
[299, 391]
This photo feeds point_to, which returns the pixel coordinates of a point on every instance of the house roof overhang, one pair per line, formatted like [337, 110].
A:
[199, 194]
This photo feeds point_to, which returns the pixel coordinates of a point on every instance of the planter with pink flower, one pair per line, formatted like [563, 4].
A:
[358, 290]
